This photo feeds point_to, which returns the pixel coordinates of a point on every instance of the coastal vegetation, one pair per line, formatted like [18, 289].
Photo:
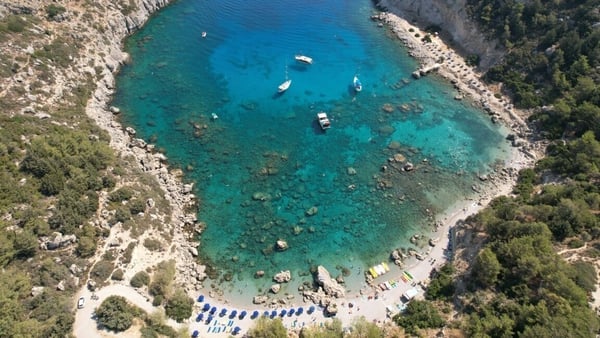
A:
[57, 169]
[535, 270]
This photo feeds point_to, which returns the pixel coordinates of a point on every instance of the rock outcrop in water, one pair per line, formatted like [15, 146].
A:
[454, 21]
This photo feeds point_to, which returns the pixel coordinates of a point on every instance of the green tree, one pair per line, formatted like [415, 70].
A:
[419, 315]
[179, 306]
[442, 285]
[486, 268]
[267, 328]
[361, 328]
[331, 329]
[115, 314]
[140, 279]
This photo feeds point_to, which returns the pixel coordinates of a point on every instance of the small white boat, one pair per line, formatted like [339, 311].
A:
[214, 116]
[203, 34]
[284, 86]
[304, 59]
[323, 120]
[356, 83]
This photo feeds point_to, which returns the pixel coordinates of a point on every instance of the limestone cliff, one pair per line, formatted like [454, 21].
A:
[458, 29]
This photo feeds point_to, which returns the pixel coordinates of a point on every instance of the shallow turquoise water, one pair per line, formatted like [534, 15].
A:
[264, 163]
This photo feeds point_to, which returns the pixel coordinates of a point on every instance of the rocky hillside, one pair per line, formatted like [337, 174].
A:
[453, 20]
[82, 200]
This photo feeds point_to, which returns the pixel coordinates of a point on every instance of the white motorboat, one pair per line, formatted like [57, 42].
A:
[203, 34]
[304, 59]
[356, 83]
[323, 120]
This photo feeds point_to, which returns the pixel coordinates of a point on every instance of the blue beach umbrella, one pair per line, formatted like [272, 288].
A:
[283, 312]
[273, 313]
[223, 312]
[233, 314]
[243, 314]
[300, 310]
[200, 298]
[236, 330]
[209, 319]
[291, 313]
[195, 334]
[206, 307]
[266, 313]
[199, 317]
[213, 310]
[311, 309]
[254, 314]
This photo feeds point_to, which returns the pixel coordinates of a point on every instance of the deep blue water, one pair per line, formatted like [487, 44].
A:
[264, 162]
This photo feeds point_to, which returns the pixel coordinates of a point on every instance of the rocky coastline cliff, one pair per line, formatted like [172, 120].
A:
[458, 29]
[84, 44]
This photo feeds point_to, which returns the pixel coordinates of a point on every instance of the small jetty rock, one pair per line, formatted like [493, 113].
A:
[330, 285]
[275, 288]
[331, 309]
[281, 245]
[283, 276]
[259, 274]
[260, 299]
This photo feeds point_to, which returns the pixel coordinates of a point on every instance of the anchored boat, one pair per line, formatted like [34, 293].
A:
[304, 59]
[356, 83]
[323, 120]
[286, 84]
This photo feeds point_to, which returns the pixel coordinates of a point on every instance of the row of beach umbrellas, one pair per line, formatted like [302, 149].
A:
[212, 311]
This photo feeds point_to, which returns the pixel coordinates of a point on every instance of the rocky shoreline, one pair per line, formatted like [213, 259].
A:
[183, 222]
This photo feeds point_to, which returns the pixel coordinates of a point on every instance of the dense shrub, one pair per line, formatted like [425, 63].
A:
[179, 306]
[137, 206]
[121, 194]
[115, 314]
[52, 11]
[442, 286]
[419, 315]
[153, 244]
[267, 328]
[118, 274]
[102, 271]
[140, 279]
[162, 279]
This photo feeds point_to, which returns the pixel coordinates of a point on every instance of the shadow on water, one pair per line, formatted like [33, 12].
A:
[277, 95]
[298, 67]
[316, 127]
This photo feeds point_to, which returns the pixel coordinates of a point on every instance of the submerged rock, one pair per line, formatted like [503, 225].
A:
[283, 276]
[312, 211]
[281, 245]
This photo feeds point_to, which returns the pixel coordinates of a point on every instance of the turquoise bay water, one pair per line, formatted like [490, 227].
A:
[264, 163]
